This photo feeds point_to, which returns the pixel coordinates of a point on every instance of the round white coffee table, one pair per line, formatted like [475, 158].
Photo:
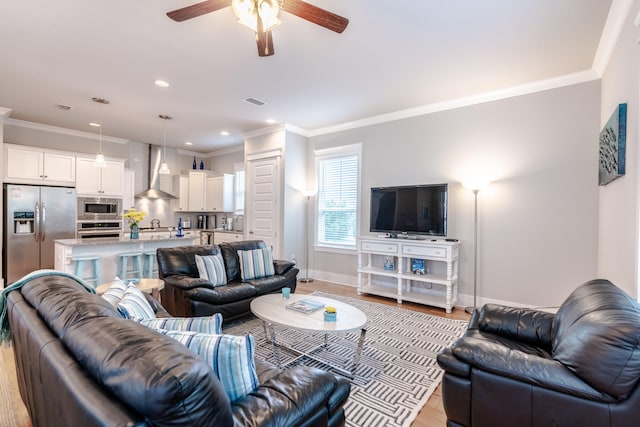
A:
[272, 310]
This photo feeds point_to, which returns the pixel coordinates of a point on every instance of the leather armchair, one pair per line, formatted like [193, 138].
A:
[523, 367]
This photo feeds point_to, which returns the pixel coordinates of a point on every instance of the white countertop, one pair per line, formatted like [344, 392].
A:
[142, 239]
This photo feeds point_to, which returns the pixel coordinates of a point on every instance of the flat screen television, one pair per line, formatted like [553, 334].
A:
[411, 209]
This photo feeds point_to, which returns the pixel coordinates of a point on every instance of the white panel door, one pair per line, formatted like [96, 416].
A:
[263, 203]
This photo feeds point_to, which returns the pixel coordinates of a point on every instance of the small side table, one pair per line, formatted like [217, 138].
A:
[152, 286]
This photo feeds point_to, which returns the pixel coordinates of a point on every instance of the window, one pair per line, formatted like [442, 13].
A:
[238, 187]
[338, 196]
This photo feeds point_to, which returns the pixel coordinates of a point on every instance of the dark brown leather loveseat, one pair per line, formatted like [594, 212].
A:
[523, 367]
[79, 364]
[186, 295]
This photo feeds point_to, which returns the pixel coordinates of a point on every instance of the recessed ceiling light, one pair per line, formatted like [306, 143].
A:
[188, 143]
[271, 121]
[161, 83]
[224, 133]
[95, 125]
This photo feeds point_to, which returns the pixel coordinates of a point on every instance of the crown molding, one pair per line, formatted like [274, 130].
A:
[5, 112]
[63, 131]
[226, 150]
[618, 13]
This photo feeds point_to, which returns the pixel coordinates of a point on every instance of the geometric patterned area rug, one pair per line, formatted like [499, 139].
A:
[397, 372]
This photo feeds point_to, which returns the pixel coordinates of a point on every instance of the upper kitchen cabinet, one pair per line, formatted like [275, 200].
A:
[101, 182]
[30, 165]
[181, 204]
[220, 193]
[197, 194]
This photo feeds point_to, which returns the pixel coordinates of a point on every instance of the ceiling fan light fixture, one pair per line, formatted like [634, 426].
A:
[247, 12]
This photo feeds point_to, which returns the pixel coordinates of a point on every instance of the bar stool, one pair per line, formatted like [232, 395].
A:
[149, 259]
[79, 269]
[136, 262]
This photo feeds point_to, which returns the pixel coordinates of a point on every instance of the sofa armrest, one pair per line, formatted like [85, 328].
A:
[520, 324]
[187, 282]
[290, 398]
[282, 266]
[508, 362]
[158, 309]
[452, 365]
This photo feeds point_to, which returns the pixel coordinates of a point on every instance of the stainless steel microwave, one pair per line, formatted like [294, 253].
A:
[99, 208]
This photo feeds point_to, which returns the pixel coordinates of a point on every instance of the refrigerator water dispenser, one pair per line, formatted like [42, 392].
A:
[23, 222]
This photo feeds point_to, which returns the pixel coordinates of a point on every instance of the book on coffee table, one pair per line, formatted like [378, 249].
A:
[305, 306]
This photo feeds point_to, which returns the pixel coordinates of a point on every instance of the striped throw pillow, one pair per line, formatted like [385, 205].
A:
[230, 357]
[134, 305]
[211, 268]
[205, 325]
[115, 292]
[256, 263]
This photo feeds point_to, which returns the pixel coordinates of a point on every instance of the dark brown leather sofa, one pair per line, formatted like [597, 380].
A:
[186, 295]
[523, 367]
[80, 364]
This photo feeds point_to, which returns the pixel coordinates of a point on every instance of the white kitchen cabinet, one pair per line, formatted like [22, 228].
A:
[386, 267]
[197, 191]
[128, 189]
[219, 192]
[222, 237]
[37, 166]
[102, 182]
[182, 203]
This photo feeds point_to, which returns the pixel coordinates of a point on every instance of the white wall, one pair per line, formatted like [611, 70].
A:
[619, 214]
[537, 220]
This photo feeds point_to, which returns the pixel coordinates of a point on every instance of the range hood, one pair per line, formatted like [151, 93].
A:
[153, 190]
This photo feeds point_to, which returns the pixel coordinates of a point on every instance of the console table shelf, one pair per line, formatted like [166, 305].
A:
[438, 286]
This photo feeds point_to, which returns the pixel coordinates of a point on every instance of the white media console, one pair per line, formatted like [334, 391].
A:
[385, 268]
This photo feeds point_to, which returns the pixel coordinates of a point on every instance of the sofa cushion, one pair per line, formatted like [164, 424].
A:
[134, 305]
[205, 325]
[267, 285]
[230, 357]
[61, 302]
[229, 252]
[211, 268]
[154, 375]
[596, 334]
[256, 263]
[181, 260]
[115, 292]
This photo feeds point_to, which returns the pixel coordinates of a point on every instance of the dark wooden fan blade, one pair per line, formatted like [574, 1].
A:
[197, 9]
[314, 14]
[265, 43]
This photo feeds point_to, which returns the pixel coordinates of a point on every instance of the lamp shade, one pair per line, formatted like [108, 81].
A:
[247, 12]
[100, 162]
[475, 185]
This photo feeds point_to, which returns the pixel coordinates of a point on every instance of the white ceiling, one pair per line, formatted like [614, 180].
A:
[394, 55]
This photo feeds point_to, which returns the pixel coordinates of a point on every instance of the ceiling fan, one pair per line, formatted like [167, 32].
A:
[261, 16]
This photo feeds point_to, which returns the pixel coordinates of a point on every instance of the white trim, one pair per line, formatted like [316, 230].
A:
[618, 13]
[264, 155]
[5, 112]
[264, 131]
[63, 131]
[340, 279]
[227, 150]
[335, 249]
[539, 86]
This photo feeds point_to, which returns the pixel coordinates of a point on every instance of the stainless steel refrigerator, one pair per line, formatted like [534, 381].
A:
[34, 216]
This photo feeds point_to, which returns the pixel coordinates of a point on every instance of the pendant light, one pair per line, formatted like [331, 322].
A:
[164, 167]
[100, 162]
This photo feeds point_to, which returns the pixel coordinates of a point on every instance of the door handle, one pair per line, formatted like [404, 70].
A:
[44, 220]
[37, 222]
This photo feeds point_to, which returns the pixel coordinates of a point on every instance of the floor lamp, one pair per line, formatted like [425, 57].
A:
[308, 194]
[475, 187]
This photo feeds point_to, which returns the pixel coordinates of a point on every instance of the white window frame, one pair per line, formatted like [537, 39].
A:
[327, 154]
[237, 168]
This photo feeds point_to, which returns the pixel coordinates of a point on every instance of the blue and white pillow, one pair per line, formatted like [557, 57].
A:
[256, 263]
[134, 305]
[115, 292]
[230, 357]
[206, 325]
[211, 268]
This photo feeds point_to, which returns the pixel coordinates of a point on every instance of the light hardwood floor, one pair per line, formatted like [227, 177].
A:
[431, 415]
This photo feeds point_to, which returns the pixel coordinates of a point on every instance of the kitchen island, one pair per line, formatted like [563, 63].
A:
[65, 249]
